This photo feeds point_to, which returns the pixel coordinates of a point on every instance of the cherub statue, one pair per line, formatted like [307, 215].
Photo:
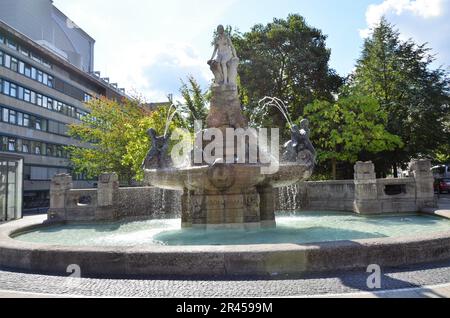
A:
[224, 66]
[157, 157]
[300, 148]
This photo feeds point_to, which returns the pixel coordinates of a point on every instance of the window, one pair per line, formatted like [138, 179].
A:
[27, 95]
[37, 148]
[39, 77]
[50, 81]
[11, 44]
[27, 71]
[50, 103]
[2, 39]
[5, 87]
[7, 61]
[13, 91]
[26, 120]
[12, 117]
[20, 92]
[21, 67]
[20, 119]
[14, 64]
[33, 73]
[5, 115]
[39, 99]
[25, 146]
[2, 58]
[12, 144]
[24, 51]
[37, 123]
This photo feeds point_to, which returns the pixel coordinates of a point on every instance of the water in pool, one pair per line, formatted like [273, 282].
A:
[297, 228]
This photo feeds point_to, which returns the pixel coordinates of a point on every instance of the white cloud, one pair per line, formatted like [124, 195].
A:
[423, 21]
[425, 9]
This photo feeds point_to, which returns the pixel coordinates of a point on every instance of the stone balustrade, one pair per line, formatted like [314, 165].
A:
[364, 195]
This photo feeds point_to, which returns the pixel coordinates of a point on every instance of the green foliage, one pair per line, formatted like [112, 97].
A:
[195, 102]
[114, 136]
[344, 129]
[398, 75]
[286, 59]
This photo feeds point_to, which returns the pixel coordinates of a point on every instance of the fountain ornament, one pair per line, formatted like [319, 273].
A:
[231, 192]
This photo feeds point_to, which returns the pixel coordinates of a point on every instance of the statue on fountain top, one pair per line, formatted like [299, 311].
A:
[224, 65]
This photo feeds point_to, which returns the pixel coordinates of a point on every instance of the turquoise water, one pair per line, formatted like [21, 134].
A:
[297, 228]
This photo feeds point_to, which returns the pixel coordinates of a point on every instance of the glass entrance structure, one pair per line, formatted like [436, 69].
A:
[11, 187]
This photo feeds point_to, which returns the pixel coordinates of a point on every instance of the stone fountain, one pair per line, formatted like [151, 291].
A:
[224, 193]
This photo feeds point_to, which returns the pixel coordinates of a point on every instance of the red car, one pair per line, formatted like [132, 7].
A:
[442, 185]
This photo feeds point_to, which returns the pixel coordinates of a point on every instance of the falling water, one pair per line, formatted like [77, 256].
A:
[268, 102]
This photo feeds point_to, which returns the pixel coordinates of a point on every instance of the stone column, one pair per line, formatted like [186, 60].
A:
[108, 187]
[267, 206]
[366, 192]
[60, 185]
[420, 170]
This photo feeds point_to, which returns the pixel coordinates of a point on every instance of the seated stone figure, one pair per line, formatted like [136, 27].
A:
[299, 149]
[224, 61]
[157, 157]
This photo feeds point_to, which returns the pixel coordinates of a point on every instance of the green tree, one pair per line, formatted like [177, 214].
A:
[114, 138]
[342, 130]
[398, 74]
[195, 102]
[287, 59]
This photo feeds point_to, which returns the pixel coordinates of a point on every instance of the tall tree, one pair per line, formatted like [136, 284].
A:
[195, 102]
[399, 75]
[342, 130]
[287, 59]
[115, 138]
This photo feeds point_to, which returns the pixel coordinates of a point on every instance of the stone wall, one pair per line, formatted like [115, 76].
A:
[364, 195]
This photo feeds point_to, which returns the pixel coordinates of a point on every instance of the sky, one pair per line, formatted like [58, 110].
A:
[149, 46]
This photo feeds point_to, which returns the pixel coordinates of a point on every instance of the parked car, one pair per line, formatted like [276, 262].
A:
[442, 185]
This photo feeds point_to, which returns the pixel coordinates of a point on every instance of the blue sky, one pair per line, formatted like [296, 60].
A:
[149, 46]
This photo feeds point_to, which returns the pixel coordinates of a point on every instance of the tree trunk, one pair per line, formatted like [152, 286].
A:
[395, 171]
[333, 168]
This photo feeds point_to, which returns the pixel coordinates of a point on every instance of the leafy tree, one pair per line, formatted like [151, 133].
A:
[342, 130]
[195, 102]
[287, 59]
[398, 75]
[115, 138]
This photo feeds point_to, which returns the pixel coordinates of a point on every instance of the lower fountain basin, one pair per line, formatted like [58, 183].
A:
[427, 240]
[301, 228]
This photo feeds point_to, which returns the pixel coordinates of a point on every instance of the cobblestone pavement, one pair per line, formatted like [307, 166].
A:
[311, 284]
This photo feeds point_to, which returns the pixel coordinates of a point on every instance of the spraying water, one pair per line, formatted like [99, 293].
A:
[268, 102]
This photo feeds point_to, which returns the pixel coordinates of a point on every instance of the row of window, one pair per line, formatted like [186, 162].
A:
[27, 95]
[25, 69]
[14, 117]
[13, 45]
[14, 144]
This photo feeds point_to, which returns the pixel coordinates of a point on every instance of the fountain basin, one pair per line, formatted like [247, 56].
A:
[227, 195]
[254, 259]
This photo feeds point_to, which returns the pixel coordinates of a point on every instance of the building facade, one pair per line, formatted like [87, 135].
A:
[46, 76]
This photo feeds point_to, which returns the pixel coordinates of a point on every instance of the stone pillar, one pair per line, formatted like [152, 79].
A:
[420, 170]
[108, 187]
[366, 192]
[61, 184]
[267, 206]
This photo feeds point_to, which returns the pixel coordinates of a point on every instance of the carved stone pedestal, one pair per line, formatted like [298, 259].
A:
[249, 209]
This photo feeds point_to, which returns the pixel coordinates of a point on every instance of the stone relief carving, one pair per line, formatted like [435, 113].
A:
[158, 156]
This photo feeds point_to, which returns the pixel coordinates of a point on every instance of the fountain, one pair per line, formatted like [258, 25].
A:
[221, 194]
[229, 187]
